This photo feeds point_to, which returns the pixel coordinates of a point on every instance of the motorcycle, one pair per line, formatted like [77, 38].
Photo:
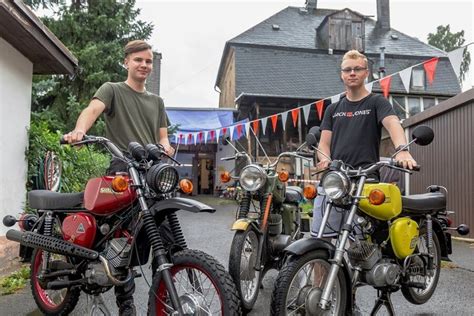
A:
[91, 241]
[400, 243]
[262, 231]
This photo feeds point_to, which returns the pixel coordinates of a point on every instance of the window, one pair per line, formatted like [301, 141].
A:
[400, 107]
[414, 106]
[418, 79]
[428, 102]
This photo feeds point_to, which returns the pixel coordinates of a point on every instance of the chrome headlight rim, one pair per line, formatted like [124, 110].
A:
[338, 192]
[162, 178]
[255, 171]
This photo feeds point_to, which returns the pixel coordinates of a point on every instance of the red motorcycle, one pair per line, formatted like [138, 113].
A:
[92, 240]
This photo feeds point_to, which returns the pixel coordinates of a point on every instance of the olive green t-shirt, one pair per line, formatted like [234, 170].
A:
[131, 115]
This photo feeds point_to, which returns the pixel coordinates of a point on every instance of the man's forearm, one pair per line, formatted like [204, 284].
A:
[395, 130]
[85, 120]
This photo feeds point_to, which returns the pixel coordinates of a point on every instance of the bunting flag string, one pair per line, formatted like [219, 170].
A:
[247, 129]
[239, 130]
[369, 86]
[294, 115]
[335, 98]
[455, 57]
[255, 127]
[264, 124]
[231, 132]
[430, 68]
[405, 75]
[284, 117]
[306, 110]
[274, 122]
[206, 133]
[319, 108]
[385, 85]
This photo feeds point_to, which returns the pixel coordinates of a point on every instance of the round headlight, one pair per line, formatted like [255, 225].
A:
[162, 178]
[252, 178]
[335, 185]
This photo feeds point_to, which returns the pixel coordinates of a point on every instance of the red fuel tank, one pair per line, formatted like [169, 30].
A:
[80, 229]
[100, 199]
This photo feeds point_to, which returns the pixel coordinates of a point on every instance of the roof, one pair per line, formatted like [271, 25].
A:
[198, 119]
[22, 29]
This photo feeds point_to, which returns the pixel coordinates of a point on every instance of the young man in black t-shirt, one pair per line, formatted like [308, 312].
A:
[351, 130]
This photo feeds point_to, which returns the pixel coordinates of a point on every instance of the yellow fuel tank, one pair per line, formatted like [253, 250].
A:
[404, 234]
[390, 208]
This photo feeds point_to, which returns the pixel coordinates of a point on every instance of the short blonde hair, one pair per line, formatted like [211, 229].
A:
[354, 54]
[135, 46]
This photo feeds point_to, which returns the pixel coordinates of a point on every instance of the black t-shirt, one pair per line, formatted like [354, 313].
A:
[356, 129]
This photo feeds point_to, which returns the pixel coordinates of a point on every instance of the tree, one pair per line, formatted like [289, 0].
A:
[446, 40]
[95, 32]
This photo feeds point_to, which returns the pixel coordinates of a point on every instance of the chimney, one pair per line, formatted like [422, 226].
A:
[383, 14]
[311, 5]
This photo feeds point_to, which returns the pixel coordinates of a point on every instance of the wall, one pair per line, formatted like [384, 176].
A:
[15, 104]
[227, 84]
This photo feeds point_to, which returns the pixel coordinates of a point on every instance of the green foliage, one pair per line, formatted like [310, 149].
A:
[78, 165]
[15, 281]
[307, 206]
[446, 40]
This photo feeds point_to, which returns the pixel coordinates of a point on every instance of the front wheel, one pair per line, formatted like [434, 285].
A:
[300, 283]
[243, 255]
[202, 284]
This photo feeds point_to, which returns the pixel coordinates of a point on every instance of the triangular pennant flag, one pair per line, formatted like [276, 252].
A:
[306, 110]
[455, 57]
[200, 136]
[239, 130]
[176, 138]
[218, 134]
[231, 132]
[294, 116]
[335, 98]
[405, 75]
[369, 86]
[255, 127]
[205, 136]
[224, 130]
[319, 108]
[264, 124]
[385, 85]
[284, 117]
[430, 68]
[274, 121]
[213, 133]
[247, 129]
[195, 138]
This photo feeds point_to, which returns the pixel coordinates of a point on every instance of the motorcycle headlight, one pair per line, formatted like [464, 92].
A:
[252, 178]
[162, 178]
[335, 185]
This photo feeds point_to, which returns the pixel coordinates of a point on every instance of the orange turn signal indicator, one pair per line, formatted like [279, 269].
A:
[310, 192]
[119, 184]
[225, 177]
[283, 176]
[186, 186]
[376, 197]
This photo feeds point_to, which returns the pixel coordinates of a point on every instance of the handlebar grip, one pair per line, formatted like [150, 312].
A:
[305, 154]
[227, 158]
[62, 141]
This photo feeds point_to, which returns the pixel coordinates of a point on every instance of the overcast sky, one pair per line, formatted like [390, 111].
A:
[191, 34]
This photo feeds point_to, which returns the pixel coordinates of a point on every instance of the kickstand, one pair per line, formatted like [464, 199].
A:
[97, 305]
[385, 300]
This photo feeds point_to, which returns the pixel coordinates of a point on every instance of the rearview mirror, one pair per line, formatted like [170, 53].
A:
[313, 136]
[422, 135]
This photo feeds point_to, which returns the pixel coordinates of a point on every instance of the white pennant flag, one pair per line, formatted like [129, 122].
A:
[306, 110]
[195, 137]
[284, 117]
[405, 75]
[176, 137]
[186, 139]
[455, 57]
[218, 133]
[369, 86]
[335, 98]
[264, 124]
[231, 130]
[205, 136]
[247, 129]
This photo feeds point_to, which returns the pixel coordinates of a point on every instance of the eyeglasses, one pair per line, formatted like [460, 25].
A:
[357, 70]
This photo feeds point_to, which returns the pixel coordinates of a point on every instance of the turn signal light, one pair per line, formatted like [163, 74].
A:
[225, 177]
[376, 197]
[186, 186]
[283, 176]
[119, 184]
[310, 192]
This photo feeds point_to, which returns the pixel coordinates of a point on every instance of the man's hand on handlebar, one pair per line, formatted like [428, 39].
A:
[323, 164]
[74, 136]
[404, 158]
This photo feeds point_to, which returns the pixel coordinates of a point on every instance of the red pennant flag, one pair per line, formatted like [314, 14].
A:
[190, 136]
[255, 127]
[213, 134]
[224, 130]
[385, 85]
[294, 115]
[319, 108]
[430, 68]
[239, 130]
[274, 121]
[200, 136]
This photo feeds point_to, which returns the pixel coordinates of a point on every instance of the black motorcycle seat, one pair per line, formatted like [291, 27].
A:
[49, 200]
[424, 202]
[293, 194]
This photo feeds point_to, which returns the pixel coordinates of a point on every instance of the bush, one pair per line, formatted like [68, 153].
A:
[78, 165]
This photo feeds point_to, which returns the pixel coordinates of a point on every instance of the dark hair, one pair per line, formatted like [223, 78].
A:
[135, 46]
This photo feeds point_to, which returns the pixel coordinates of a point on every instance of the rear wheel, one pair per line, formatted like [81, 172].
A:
[202, 284]
[51, 302]
[243, 255]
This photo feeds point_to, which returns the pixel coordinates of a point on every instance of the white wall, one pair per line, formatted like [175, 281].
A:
[16, 74]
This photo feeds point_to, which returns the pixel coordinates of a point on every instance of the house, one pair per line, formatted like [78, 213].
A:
[27, 47]
[293, 58]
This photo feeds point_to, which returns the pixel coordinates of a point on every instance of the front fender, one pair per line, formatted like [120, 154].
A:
[242, 224]
[178, 203]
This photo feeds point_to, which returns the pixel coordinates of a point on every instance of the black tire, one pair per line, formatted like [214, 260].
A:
[44, 299]
[195, 261]
[419, 296]
[247, 281]
[284, 284]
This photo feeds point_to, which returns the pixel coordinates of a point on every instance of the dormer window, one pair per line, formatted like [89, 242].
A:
[418, 79]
